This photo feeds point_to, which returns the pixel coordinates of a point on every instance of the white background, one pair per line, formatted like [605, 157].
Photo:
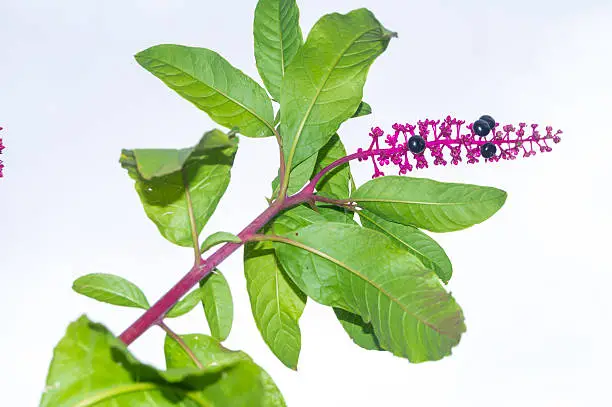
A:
[533, 281]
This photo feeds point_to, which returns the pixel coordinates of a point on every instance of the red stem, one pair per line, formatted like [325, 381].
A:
[156, 313]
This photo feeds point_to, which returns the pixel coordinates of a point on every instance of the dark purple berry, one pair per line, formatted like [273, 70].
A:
[490, 121]
[488, 150]
[481, 128]
[416, 144]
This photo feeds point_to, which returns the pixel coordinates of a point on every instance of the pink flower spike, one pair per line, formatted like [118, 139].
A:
[1, 165]
[453, 140]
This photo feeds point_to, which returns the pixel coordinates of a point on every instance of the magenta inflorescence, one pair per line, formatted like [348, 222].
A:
[1, 148]
[451, 140]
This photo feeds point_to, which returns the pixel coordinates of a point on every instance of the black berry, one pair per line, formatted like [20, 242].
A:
[488, 150]
[481, 128]
[490, 121]
[416, 144]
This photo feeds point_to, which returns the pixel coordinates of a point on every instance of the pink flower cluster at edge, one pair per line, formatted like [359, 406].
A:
[1, 148]
[451, 140]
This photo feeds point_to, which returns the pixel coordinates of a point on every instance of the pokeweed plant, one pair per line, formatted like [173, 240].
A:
[359, 250]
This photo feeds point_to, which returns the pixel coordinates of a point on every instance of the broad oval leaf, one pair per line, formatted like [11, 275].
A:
[92, 367]
[431, 254]
[186, 304]
[217, 238]
[428, 204]
[111, 289]
[207, 80]
[359, 331]
[278, 37]
[218, 304]
[201, 182]
[362, 271]
[323, 86]
[247, 384]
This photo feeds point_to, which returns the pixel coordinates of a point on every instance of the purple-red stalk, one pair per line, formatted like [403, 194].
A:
[156, 313]
[441, 136]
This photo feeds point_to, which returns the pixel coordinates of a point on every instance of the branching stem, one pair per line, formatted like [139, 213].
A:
[155, 314]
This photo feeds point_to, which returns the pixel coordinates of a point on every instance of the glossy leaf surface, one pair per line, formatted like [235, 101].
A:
[428, 204]
[362, 271]
[111, 289]
[207, 80]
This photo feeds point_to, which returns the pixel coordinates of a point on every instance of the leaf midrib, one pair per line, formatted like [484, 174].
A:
[121, 390]
[307, 115]
[265, 122]
[355, 272]
[105, 290]
[420, 202]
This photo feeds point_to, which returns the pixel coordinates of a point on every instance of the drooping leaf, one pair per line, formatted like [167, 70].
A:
[416, 242]
[276, 302]
[246, 385]
[148, 163]
[364, 109]
[207, 80]
[91, 367]
[323, 86]
[429, 204]
[218, 304]
[186, 304]
[202, 179]
[335, 183]
[111, 289]
[278, 37]
[217, 238]
[362, 271]
[360, 332]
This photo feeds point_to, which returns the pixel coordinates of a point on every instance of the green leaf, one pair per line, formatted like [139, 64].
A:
[278, 37]
[276, 302]
[360, 332]
[335, 183]
[218, 304]
[207, 80]
[208, 350]
[246, 385]
[217, 238]
[323, 86]
[429, 204]
[364, 109]
[186, 304]
[151, 163]
[298, 177]
[92, 367]
[111, 289]
[337, 214]
[416, 242]
[362, 271]
[204, 175]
